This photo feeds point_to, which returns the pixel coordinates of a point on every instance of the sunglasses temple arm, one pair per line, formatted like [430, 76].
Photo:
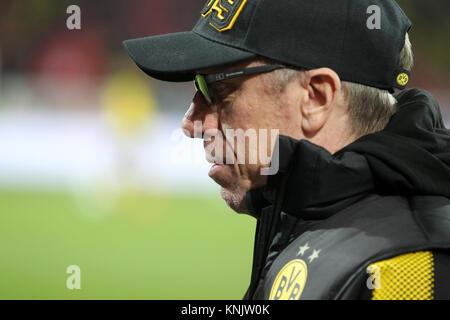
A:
[211, 78]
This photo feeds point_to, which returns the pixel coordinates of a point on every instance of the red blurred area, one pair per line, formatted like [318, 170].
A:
[35, 42]
[67, 56]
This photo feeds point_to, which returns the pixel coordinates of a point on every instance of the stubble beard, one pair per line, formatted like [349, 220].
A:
[235, 198]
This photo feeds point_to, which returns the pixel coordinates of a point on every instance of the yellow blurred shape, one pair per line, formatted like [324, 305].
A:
[129, 102]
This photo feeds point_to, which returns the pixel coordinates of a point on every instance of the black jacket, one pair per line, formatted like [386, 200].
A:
[369, 222]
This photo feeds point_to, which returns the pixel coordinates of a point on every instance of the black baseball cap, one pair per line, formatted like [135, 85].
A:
[359, 39]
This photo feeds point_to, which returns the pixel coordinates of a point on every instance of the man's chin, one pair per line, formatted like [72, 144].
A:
[221, 174]
[233, 189]
[235, 199]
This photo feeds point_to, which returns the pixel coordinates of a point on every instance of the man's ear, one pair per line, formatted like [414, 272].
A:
[323, 86]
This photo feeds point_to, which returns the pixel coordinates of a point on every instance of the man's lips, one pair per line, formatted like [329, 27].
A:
[222, 156]
[213, 160]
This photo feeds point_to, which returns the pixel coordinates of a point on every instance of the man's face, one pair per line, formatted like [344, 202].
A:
[250, 104]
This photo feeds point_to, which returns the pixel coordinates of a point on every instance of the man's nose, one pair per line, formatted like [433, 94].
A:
[199, 118]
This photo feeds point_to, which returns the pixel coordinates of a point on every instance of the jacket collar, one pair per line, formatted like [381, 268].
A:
[318, 184]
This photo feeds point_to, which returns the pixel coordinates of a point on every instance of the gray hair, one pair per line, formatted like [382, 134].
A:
[370, 109]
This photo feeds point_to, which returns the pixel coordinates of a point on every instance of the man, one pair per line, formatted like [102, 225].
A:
[355, 203]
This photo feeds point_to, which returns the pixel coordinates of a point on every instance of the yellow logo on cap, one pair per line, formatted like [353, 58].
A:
[403, 79]
[223, 13]
[290, 281]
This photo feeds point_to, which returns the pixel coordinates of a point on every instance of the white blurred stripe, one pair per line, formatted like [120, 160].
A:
[46, 149]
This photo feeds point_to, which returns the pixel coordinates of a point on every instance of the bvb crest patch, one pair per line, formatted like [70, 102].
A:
[402, 79]
[222, 14]
[290, 281]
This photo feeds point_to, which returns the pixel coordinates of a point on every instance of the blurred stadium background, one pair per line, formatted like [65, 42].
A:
[95, 172]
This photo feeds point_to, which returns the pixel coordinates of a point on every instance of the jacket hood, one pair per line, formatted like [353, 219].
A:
[411, 156]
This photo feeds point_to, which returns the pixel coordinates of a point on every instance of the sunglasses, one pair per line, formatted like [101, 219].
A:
[202, 81]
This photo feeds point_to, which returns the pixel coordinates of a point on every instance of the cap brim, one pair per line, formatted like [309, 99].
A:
[176, 57]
